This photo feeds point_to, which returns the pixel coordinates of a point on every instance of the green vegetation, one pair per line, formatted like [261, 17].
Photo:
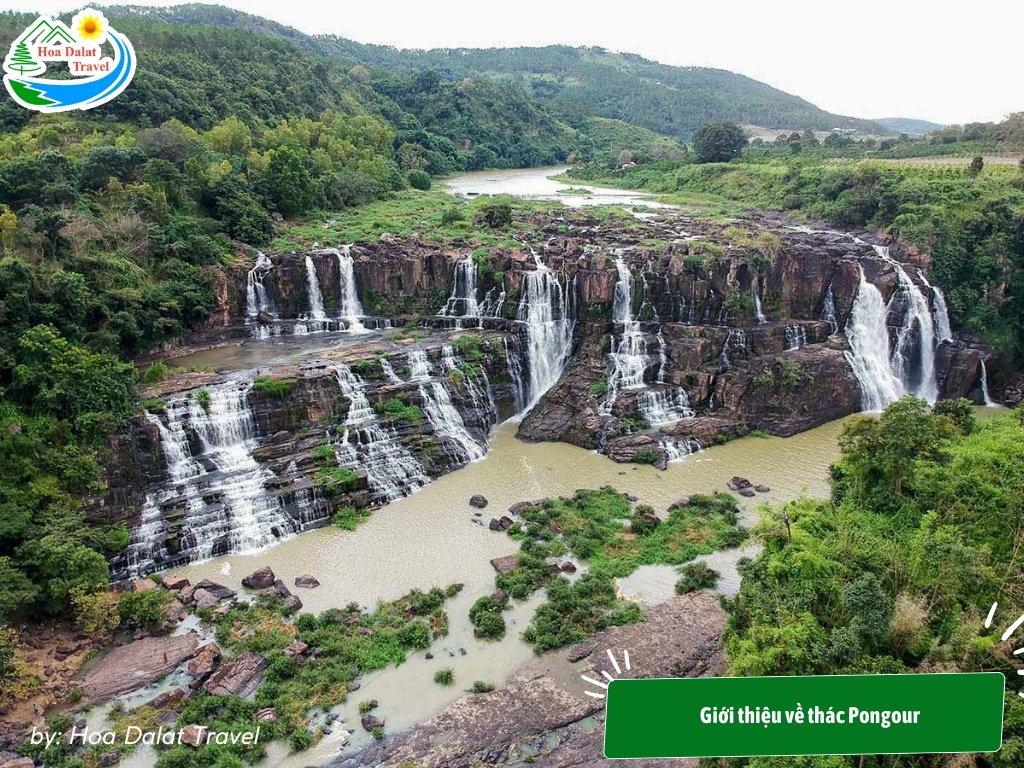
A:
[696, 576]
[896, 572]
[349, 518]
[646, 456]
[334, 481]
[277, 388]
[480, 686]
[398, 410]
[718, 142]
[144, 607]
[589, 526]
[486, 618]
[444, 676]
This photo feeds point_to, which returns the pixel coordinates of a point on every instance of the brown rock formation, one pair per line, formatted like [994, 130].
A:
[136, 665]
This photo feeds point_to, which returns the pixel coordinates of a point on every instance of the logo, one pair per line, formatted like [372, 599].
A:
[95, 79]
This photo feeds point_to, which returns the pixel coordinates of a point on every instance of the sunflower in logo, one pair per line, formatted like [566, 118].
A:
[90, 26]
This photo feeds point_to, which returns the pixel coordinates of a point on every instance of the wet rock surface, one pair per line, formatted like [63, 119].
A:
[238, 677]
[136, 665]
[542, 710]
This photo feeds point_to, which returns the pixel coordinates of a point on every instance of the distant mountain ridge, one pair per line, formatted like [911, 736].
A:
[910, 126]
[575, 82]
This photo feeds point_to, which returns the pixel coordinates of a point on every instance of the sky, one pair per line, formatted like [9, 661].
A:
[871, 58]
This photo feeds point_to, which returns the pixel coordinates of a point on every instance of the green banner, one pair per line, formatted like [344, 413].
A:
[815, 715]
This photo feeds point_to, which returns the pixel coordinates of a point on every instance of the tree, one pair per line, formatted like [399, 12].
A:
[288, 181]
[419, 179]
[719, 142]
[977, 165]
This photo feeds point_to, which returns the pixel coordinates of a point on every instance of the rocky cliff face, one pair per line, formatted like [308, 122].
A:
[644, 340]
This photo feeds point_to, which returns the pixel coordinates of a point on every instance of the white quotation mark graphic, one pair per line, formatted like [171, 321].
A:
[618, 671]
[1006, 635]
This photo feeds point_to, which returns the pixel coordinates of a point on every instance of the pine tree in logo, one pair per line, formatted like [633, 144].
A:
[21, 60]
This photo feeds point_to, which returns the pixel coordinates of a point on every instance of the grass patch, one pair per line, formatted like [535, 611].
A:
[279, 388]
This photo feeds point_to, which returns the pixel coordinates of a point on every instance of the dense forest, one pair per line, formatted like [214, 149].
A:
[896, 571]
[574, 83]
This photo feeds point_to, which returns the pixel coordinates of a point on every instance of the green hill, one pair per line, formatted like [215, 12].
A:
[574, 82]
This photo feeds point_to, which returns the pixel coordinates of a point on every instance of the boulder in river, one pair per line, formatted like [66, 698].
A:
[478, 501]
[292, 604]
[239, 677]
[204, 598]
[762, 488]
[260, 579]
[738, 483]
[748, 492]
[504, 564]
[307, 582]
[137, 664]
[371, 722]
[217, 590]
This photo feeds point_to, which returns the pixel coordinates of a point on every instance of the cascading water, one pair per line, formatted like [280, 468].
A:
[796, 336]
[392, 472]
[463, 300]
[315, 320]
[546, 311]
[419, 366]
[389, 371]
[989, 402]
[220, 494]
[664, 406]
[257, 300]
[828, 311]
[467, 376]
[869, 356]
[628, 357]
[349, 310]
[678, 448]
[913, 355]
[943, 329]
[444, 417]
[735, 341]
[758, 310]
[515, 375]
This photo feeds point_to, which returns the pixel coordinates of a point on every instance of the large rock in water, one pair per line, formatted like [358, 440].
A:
[478, 501]
[136, 665]
[260, 579]
[240, 676]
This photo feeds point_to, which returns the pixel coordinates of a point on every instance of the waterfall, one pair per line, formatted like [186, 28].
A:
[828, 312]
[258, 301]
[316, 319]
[494, 302]
[913, 355]
[147, 547]
[796, 336]
[463, 301]
[479, 393]
[350, 310]
[943, 330]
[758, 311]
[989, 402]
[385, 365]
[869, 357]
[678, 448]
[628, 356]
[515, 375]
[391, 470]
[545, 310]
[735, 341]
[220, 491]
[444, 417]
[419, 366]
[663, 406]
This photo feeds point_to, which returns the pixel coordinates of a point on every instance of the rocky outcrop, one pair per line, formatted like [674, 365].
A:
[136, 665]
[238, 677]
[535, 711]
